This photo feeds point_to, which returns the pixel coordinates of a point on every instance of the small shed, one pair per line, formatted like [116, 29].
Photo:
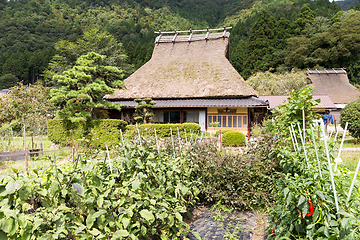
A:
[190, 78]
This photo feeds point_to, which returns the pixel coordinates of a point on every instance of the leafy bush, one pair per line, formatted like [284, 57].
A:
[96, 131]
[140, 196]
[223, 131]
[163, 130]
[233, 138]
[351, 114]
[241, 181]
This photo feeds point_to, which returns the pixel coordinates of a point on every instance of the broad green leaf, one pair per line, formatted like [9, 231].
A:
[136, 184]
[6, 224]
[78, 188]
[147, 215]
[178, 216]
[99, 213]
[13, 186]
[80, 229]
[302, 199]
[37, 223]
[94, 232]
[125, 222]
[197, 235]
[90, 220]
[119, 234]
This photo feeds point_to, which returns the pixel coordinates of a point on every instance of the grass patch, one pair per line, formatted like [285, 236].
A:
[350, 160]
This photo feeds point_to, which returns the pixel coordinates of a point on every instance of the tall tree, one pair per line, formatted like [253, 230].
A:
[84, 88]
[305, 16]
[100, 42]
[261, 45]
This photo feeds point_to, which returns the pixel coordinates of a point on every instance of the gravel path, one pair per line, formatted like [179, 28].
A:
[217, 225]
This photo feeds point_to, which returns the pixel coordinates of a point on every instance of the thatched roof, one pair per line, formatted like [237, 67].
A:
[335, 84]
[187, 69]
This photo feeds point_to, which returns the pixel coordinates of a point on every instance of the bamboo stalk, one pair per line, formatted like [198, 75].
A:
[109, 159]
[330, 169]
[353, 181]
[157, 142]
[296, 143]
[139, 135]
[316, 150]
[172, 142]
[179, 141]
[292, 139]
[123, 143]
[338, 159]
[303, 144]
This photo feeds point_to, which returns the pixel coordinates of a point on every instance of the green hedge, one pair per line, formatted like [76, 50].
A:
[233, 138]
[96, 131]
[163, 130]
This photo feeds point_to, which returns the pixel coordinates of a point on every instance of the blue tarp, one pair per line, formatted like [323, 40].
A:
[328, 117]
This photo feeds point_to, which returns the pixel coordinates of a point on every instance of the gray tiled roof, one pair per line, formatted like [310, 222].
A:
[175, 103]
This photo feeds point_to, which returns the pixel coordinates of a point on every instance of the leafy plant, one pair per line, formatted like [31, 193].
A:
[351, 114]
[233, 138]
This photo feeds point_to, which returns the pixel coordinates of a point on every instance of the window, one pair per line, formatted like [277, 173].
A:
[191, 116]
[228, 121]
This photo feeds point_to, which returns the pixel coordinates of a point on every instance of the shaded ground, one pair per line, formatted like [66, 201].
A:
[217, 224]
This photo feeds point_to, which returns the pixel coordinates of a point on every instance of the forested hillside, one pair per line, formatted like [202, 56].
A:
[275, 35]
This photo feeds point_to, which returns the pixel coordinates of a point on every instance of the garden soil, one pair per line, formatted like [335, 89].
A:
[217, 225]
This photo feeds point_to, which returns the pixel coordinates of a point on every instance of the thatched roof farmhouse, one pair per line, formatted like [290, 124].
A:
[336, 85]
[191, 80]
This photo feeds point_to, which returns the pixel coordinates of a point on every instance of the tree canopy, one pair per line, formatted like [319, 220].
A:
[84, 87]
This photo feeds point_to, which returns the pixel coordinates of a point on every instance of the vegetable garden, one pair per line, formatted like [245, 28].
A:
[145, 184]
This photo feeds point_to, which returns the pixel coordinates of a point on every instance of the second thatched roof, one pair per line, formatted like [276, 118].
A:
[335, 84]
[187, 69]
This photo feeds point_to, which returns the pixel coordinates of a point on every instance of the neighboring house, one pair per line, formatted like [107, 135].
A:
[336, 85]
[191, 80]
[325, 102]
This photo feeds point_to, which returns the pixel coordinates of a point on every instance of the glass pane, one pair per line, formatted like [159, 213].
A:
[229, 121]
[244, 121]
[224, 121]
[209, 120]
[219, 120]
[196, 116]
[239, 121]
[166, 117]
[234, 121]
[189, 116]
[175, 117]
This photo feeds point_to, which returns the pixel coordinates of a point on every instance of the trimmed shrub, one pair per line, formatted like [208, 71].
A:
[163, 130]
[233, 138]
[351, 114]
[96, 131]
[223, 131]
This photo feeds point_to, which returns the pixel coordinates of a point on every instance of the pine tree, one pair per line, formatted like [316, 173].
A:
[260, 45]
[84, 88]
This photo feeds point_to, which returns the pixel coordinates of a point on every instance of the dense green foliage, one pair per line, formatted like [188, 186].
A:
[351, 114]
[267, 83]
[143, 111]
[164, 130]
[142, 195]
[233, 139]
[241, 181]
[312, 200]
[95, 132]
[84, 87]
[28, 105]
[36, 33]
